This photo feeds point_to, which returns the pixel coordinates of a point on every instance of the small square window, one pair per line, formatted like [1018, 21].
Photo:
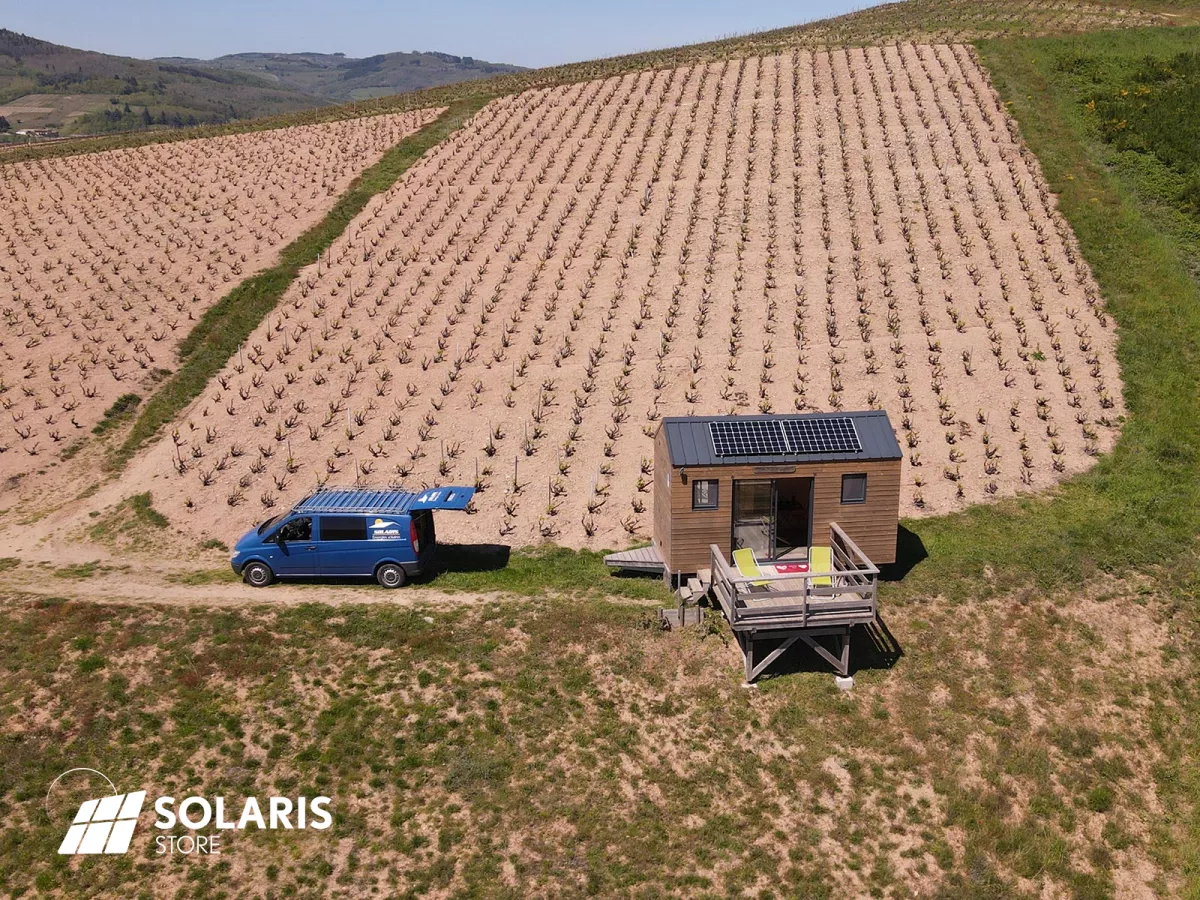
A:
[704, 494]
[854, 488]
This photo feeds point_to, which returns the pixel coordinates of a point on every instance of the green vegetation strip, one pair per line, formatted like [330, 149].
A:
[228, 323]
[1140, 506]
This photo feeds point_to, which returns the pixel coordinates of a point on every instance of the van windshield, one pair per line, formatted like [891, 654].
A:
[267, 524]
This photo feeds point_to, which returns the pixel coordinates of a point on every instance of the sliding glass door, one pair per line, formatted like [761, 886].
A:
[754, 517]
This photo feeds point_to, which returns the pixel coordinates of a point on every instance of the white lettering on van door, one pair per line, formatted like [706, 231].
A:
[384, 530]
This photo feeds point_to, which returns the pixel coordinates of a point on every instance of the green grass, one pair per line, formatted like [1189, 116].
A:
[83, 570]
[227, 324]
[536, 572]
[133, 519]
[121, 411]
[146, 514]
[205, 576]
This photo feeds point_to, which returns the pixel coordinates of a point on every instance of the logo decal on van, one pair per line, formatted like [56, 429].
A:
[383, 530]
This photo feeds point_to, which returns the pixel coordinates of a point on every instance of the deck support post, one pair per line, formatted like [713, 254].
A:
[841, 662]
[755, 666]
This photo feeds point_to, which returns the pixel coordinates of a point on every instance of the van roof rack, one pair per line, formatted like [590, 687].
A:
[385, 500]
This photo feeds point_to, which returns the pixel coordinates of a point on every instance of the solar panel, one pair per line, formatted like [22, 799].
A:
[776, 437]
[747, 438]
[822, 435]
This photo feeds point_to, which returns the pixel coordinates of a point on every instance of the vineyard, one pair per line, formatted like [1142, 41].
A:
[808, 231]
[109, 259]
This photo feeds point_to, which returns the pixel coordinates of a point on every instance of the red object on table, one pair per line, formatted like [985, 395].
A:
[790, 568]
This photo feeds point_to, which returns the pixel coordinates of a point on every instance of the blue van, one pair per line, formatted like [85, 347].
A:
[343, 532]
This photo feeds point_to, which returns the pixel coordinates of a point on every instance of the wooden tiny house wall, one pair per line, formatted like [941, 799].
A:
[682, 535]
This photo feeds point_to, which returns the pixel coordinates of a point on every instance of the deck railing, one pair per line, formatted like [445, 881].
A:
[791, 600]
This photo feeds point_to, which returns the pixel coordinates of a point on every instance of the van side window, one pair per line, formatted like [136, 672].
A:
[297, 530]
[343, 528]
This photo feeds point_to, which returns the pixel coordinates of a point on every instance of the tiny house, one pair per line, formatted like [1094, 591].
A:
[773, 483]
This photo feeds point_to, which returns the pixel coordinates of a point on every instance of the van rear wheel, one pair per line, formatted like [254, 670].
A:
[258, 574]
[390, 575]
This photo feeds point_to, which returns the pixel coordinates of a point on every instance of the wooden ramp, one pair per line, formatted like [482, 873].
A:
[643, 559]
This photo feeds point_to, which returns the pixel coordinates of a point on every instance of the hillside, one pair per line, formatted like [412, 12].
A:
[982, 216]
[46, 85]
[335, 76]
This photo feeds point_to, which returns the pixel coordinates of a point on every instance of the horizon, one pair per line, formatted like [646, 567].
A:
[534, 35]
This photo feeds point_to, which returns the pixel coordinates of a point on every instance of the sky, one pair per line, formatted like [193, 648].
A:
[537, 33]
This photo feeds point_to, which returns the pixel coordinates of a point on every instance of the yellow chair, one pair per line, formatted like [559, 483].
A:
[747, 566]
[820, 559]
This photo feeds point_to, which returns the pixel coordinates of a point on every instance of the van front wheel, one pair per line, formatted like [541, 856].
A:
[258, 574]
[390, 575]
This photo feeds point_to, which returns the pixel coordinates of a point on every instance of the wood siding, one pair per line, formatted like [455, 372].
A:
[664, 479]
[683, 535]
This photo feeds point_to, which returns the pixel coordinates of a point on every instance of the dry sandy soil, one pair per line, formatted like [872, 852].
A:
[107, 259]
[811, 231]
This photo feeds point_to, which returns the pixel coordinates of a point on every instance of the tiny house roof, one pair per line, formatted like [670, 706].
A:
[799, 438]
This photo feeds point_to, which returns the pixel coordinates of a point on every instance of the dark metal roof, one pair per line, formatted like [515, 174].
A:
[690, 444]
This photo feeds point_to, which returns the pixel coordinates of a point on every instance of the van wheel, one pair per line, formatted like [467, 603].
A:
[258, 574]
[390, 575]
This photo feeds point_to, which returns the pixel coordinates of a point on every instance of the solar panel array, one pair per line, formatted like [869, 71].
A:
[775, 437]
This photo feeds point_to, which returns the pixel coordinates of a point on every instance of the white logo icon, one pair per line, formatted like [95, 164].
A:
[104, 825]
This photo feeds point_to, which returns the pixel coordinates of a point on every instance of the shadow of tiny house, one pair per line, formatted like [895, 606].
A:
[775, 485]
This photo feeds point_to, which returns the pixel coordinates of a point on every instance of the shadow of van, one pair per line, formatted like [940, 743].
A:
[446, 558]
[465, 558]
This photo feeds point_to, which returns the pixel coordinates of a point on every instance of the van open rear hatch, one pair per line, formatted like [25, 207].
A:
[454, 497]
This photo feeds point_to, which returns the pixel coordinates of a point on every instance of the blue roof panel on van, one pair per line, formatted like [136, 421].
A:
[384, 500]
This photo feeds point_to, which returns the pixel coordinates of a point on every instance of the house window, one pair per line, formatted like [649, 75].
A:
[854, 488]
[704, 494]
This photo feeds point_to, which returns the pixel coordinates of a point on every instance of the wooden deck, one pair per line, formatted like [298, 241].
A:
[641, 559]
[789, 607]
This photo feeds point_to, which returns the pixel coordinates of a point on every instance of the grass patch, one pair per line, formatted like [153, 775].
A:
[535, 571]
[145, 513]
[121, 411]
[8, 562]
[133, 518]
[214, 339]
[81, 570]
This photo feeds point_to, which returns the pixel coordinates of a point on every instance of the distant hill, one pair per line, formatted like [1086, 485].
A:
[45, 85]
[335, 76]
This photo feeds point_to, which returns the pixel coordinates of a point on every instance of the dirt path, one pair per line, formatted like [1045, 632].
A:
[90, 574]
